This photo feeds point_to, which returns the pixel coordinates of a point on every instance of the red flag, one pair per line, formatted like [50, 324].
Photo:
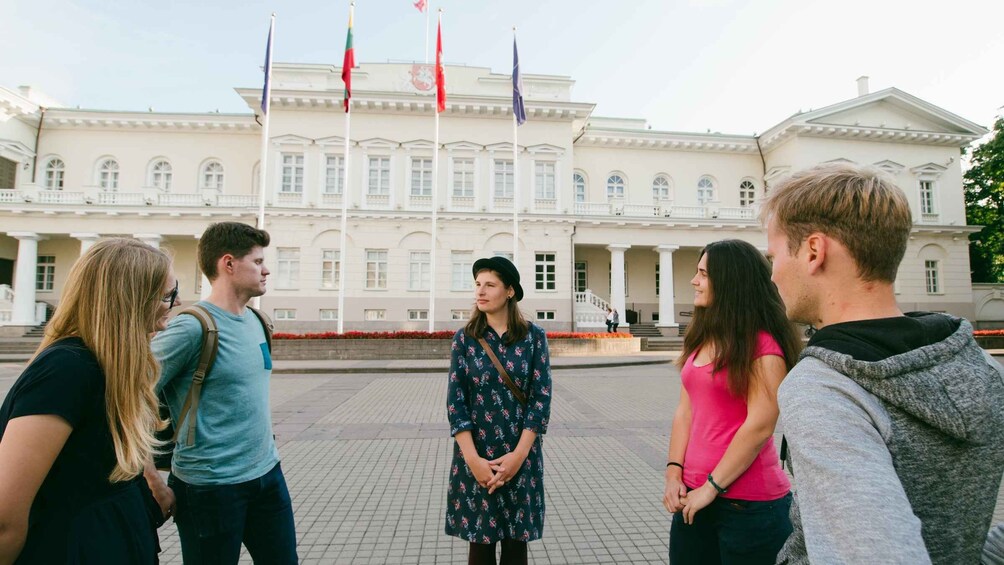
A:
[347, 64]
[420, 5]
[440, 71]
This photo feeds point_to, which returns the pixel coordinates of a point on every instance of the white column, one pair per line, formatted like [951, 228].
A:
[205, 287]
[617, 279]
[24, 278]
[151, 239]
[86, 240]
[667, 302]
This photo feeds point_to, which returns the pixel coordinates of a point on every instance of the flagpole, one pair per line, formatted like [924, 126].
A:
[515, 183]
[345, 202]
[266, 106]
[435, 187]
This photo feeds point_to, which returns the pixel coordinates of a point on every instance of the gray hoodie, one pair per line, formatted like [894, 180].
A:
[897, 460]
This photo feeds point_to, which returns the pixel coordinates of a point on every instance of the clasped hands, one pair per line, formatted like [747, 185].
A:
[492, 474]
[678, 499]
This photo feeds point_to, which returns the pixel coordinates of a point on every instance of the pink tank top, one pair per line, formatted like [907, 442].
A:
[716, 415]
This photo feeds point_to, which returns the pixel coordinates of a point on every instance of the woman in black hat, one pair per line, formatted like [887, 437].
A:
[498, 404]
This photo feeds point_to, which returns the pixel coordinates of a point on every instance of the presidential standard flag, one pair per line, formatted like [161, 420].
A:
[420, 6]
[265, 93]
[518, 109]
[440, 71]
[347, 64]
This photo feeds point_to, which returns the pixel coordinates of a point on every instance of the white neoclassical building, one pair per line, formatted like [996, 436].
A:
[610, 211]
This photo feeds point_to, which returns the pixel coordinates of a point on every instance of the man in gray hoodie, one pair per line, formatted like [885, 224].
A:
[895, 422]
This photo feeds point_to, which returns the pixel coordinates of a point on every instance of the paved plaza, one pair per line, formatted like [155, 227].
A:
[367, 456]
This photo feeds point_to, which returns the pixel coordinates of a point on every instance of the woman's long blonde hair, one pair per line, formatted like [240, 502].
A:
[111, 301]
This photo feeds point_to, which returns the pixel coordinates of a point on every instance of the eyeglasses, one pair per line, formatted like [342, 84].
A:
[172, 298]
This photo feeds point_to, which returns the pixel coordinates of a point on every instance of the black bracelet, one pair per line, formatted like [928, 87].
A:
[714, 484]
[673, 464]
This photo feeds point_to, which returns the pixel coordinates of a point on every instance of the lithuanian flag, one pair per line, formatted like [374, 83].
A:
[348, 63]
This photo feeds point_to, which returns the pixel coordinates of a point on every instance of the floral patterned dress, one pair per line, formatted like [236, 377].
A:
[479, 401]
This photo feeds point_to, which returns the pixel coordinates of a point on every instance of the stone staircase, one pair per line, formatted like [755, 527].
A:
[662, 344]
[644, 330]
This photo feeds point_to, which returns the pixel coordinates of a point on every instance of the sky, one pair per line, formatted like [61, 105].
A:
[726, 66]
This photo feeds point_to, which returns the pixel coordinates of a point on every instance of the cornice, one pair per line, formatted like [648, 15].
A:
[63, 118]
[860, 133]
[14, 105]
[407, 103]
[662, 140]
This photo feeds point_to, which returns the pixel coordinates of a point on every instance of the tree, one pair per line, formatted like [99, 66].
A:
[984, 189]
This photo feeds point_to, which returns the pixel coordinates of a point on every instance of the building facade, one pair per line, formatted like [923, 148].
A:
[609, 211]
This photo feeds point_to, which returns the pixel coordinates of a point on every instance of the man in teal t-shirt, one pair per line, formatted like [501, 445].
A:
[228, 483]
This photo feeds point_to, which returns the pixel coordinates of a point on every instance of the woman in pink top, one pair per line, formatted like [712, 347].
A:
[724, 483]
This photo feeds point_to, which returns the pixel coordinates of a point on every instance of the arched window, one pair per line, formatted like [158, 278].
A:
[579, 184]
[747, 193]
[661, 188]
[160, 176]
[705, 190]
[615, 186]
[212, 176]
[54, 169]
[108, 175]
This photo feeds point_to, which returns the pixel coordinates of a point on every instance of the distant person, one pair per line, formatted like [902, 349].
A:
[610, 319]
[894, 421]
[228, 481]
[615, 319]
[724, 482]
[498, 404]
[78, 425]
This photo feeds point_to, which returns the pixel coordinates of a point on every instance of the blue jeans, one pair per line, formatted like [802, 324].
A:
[731, 531]
[213, 521]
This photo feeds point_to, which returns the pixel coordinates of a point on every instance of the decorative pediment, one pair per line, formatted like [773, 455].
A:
[379, 143]
[331, 140]
[545, 148]
[891, 167]
[501, 147]
[291, 139]
[841, 160]
[928, 169]
[463, 146]
[420, 144]
[15, 150]
[776, 172]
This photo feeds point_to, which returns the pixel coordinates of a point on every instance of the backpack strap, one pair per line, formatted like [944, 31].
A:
[266, 324]
[210, 346]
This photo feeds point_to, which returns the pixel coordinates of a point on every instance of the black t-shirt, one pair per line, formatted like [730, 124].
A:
[881, 338]
[66, 380]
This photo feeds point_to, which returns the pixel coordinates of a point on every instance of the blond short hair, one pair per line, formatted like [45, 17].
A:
[861, 207]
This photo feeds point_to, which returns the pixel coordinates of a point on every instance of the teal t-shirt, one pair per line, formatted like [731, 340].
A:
[233, 440]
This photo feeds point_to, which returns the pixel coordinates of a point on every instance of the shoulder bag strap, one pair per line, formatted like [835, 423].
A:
[266, 324]
[505, 376]
[210, 346]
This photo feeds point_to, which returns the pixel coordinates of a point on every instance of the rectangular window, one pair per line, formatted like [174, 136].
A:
[416, 315]
[657, 279]
[503, 178]
[931, 276]
[108, 180]
[581, 283]
[374, 315]
[461, 264]
[292, 173]
[545, 314]
[379, 176]
[418, 271]
[284, 314]
[421, 177]
[45, 272]
[459, 315]
[544, 176]
[328, 315]
[545, 270]
[463, 177]
[334, 174]
[331, 266]
[288, 269]
[376, 269]
[927, 197]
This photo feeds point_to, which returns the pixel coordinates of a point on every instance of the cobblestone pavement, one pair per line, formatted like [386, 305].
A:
[366, 457]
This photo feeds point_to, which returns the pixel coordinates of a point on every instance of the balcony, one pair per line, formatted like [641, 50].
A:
[95, 198]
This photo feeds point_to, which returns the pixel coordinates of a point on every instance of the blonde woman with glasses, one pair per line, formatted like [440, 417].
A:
[78, 424]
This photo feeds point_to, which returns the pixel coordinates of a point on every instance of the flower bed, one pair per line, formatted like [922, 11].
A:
[446, 334]
[988, 333]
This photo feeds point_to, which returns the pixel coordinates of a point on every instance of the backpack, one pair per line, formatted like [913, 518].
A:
[210, 346]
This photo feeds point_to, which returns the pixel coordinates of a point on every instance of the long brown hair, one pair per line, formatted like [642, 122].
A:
[744, 301]
[516, 325]
[111, 301]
